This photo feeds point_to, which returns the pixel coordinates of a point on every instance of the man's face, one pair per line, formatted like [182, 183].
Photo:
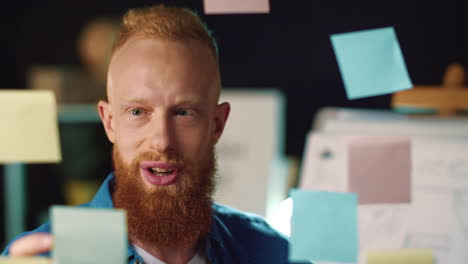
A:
[163, 118]
[163, 99]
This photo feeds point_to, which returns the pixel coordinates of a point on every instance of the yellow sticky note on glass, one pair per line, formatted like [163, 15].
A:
[25, 260]
[89, 235]
[400, 256]
[28, 127]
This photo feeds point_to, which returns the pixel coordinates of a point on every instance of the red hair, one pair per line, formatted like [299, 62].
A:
[169, 23]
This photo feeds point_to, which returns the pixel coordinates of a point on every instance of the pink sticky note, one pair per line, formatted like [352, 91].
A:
[380, 168]
[236, 6]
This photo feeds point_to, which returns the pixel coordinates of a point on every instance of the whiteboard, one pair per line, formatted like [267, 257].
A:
[439, 127]
[437, 217]
[252, 173]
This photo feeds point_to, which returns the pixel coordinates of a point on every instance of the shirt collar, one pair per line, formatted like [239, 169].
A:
[103, 197]
[215, 232]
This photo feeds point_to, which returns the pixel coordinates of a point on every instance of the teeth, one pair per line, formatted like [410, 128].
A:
[160, 170]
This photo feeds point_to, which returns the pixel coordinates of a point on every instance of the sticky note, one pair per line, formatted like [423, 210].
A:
[379, 168]
[25, 260]
[28, 127]
[371, 62]
[236, 6]
[89, 235]
[400, 256]
[324, 227]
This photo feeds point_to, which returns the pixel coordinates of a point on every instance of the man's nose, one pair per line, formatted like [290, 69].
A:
[161, 139]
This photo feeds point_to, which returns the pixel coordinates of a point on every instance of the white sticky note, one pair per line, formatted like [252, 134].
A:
[89, 235]
[28, 127]
[236, 6]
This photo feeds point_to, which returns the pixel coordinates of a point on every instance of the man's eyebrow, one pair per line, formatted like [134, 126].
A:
[130, 101]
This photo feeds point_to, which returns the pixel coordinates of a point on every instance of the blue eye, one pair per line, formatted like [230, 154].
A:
[183, 112]
[136, 112]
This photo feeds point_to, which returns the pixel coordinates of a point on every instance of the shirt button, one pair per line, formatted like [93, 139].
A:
[136, 262]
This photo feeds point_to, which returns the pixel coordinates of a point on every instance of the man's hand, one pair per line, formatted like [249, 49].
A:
[31, 245]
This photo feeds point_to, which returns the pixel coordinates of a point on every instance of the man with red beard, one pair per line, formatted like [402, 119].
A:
[164, 119]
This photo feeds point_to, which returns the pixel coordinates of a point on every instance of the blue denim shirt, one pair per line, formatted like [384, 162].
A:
[235, 237]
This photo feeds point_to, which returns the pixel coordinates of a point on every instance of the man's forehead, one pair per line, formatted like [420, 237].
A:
[135, 50]
[178, 99]
[143, 46]
[188, 98]
[139, 56]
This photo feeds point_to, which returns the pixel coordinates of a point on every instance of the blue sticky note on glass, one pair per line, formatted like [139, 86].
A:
[324, 227]
[89, 235]
[371, 62]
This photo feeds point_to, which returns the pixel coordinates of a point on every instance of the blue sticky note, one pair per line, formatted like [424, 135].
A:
[371, 62]
[89, 235]
[324, 227]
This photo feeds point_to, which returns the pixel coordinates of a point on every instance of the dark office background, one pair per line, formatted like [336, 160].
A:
[288, 49]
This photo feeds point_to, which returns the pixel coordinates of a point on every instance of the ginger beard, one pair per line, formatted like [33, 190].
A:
[175, 215]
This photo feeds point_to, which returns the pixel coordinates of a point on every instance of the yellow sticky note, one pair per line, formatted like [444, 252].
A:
[400, 256]
[28, 127]
[25, 260]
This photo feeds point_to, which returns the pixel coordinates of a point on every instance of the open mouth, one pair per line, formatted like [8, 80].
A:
[160, 172]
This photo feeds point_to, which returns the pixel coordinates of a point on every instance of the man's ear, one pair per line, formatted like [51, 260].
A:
[106, 118]
[221, 116]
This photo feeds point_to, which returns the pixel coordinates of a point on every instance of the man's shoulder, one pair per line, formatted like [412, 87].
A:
[237, 219]
[250, 228]
[259, 241]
